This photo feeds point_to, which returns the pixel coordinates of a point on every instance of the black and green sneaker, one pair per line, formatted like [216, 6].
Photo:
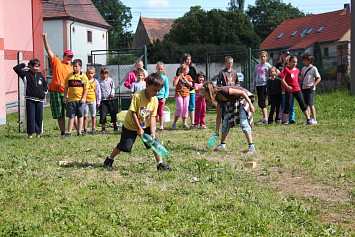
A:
[162, 166]
[108, 162]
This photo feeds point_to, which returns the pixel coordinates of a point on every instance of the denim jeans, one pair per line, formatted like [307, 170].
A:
[34, 116]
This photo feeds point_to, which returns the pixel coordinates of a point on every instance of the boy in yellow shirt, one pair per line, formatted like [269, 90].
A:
[140, 119]
[79, 85]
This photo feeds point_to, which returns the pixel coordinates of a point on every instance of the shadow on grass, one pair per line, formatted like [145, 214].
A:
[190, 148]
[76, 164]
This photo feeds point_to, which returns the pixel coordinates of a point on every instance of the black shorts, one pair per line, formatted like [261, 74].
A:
[308, 96]
[128, 137]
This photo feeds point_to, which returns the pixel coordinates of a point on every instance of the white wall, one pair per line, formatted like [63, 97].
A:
[54, 30]
[81, 47]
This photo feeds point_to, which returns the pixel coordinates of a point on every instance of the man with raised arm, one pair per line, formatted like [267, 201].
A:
[56, 88]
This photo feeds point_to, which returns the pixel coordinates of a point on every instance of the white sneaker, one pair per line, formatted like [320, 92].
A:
[185, 125]
[264, 121]
[314, 121]
[220, 147]
[173, 126]
[251, 149]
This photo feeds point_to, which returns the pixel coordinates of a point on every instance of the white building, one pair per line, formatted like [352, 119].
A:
[76, 25]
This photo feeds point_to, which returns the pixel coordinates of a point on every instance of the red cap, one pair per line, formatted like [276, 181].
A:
[68, 52]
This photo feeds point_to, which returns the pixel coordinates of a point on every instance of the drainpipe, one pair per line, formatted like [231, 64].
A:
[70, 34]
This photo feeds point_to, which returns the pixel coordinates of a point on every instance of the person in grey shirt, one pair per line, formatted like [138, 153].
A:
[140, 83]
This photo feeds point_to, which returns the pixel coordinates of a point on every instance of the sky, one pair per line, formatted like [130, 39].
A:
[177, 8]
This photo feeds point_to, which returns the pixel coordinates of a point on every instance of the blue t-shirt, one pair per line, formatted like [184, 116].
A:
[164, 92]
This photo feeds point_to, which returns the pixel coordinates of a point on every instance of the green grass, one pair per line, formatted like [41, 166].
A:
[303, 184]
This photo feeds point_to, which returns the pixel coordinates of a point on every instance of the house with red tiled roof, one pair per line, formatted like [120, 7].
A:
[76, 25]
[151, 29]
[298, 35]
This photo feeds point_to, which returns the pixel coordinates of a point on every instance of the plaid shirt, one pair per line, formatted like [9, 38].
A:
[234, 110]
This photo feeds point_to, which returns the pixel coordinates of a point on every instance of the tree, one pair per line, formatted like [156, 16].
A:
[213, 27]
[199, 31]
[236, 4]
[266, 15]
[119, 17]
[318, 59]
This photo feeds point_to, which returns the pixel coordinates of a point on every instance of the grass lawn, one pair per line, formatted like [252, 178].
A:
[303, 185]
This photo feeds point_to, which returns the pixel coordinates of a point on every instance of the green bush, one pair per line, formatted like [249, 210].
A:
[328, 74]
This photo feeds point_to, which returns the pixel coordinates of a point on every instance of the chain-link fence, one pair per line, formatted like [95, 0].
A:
[119, 62]
[244, 62]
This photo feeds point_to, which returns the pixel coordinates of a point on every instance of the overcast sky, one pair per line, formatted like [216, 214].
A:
[177, 8]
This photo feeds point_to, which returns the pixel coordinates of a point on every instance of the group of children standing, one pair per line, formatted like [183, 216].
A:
[83, 94]
[280, 85]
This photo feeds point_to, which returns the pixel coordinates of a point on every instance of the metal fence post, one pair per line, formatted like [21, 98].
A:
[145, 57]
[21, 99]
[207, 74]
[249, 62]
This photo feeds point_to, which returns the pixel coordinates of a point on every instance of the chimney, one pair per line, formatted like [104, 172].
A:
[346, 8]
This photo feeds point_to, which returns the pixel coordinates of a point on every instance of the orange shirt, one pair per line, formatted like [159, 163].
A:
[182, 90]
[60, 72]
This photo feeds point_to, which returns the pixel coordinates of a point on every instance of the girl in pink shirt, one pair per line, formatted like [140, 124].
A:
[289, 79]
[200, 102]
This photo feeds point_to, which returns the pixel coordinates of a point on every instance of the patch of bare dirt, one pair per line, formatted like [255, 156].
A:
[334, 202]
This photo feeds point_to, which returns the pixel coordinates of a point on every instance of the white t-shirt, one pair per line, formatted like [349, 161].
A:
[310, 78]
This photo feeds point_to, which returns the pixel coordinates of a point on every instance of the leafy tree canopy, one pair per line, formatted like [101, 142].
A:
[213, 27]
[199, 31]
[266, 15]
[119, 17]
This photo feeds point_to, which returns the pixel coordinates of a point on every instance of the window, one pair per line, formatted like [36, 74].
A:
[304, 32]
[294, 33]
[309, 31]
[326, 52]
[89, 59]
[89, 36]
[280, 35]
[320, 29]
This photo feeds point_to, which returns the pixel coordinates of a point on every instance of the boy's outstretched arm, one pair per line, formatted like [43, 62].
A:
[46, 46]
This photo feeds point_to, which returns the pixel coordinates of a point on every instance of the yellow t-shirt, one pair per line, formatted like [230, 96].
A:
[144, 109]
[76, 83]
[91, 96]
